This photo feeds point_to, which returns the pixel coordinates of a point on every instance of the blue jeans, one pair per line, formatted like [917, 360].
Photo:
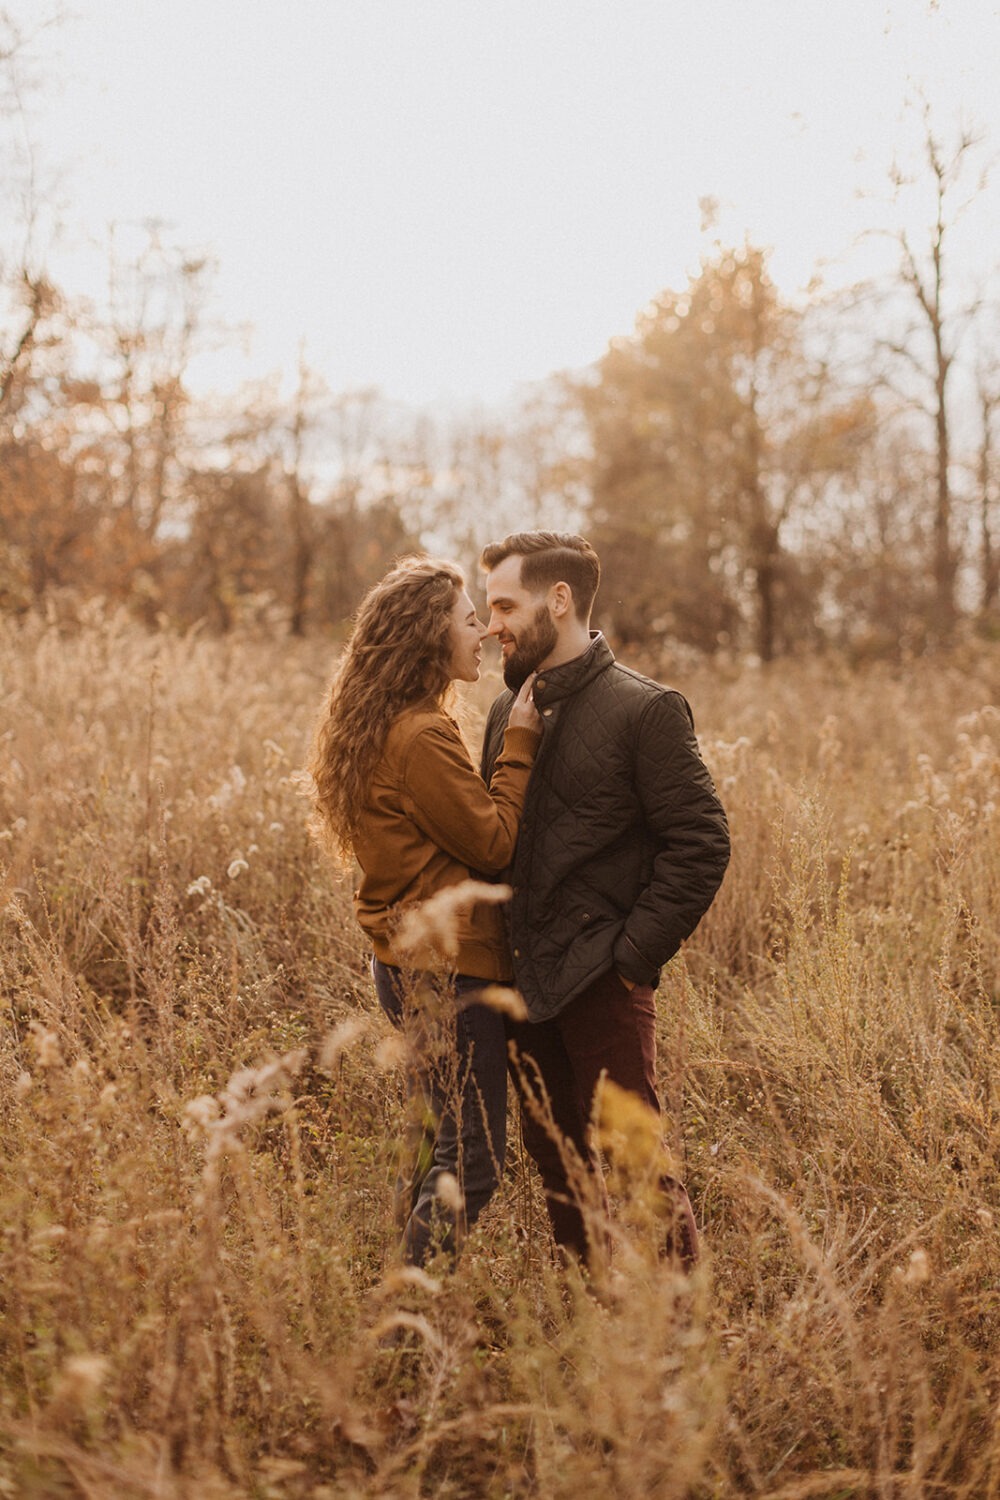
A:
[458, 1098]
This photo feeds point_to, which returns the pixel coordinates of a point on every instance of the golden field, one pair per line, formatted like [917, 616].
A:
[201, 1109]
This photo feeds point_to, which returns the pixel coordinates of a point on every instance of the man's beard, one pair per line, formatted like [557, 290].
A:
[533, 646]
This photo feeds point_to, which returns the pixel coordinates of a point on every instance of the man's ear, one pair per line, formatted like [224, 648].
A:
[560, 600]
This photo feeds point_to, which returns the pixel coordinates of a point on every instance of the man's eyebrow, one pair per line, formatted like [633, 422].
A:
[500, 599]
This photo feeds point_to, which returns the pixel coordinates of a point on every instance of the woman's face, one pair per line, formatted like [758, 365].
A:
[467, 631]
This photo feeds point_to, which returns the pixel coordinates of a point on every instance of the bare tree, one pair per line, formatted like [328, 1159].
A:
[924, 275]
[153, 328]
[28, 298]
[310, 400]
[988, 487]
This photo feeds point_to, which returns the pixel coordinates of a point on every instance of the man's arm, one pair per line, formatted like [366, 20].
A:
[687, 819]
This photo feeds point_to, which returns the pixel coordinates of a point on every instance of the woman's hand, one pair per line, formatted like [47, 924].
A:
[524, 714]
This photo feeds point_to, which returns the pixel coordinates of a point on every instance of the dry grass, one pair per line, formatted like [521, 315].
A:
[200, 1116]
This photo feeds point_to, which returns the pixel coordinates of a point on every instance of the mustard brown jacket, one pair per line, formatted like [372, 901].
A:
[429, 822]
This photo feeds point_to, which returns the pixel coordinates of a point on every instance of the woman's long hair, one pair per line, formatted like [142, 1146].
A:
[399, 654]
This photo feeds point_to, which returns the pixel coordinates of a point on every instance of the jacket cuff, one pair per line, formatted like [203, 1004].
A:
[520, 745]
[632, 964]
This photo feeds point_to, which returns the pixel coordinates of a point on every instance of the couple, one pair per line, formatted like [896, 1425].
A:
[593, 801]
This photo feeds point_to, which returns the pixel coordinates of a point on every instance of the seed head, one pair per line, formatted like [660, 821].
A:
[500, 998]
[47, 1049]
[629, 1130]
[391, 1053]
[450, 1193]
[918, 1269]
[338, 1040]
[81, 1379]
[429, 932]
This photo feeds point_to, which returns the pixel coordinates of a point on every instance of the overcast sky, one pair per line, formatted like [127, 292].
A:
[446, 198]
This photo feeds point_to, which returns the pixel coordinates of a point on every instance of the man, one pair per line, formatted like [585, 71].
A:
[623, 844]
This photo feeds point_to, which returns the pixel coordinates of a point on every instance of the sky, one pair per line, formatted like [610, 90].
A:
[446, 199]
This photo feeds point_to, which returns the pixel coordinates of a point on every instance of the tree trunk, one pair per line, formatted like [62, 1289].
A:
[301, 556]
[944, 559]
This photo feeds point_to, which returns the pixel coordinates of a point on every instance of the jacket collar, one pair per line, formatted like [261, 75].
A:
[555, 683]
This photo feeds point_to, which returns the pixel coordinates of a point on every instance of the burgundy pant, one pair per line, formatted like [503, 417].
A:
[608, 1029]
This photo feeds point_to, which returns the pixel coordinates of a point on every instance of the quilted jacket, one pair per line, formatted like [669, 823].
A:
[623, 841]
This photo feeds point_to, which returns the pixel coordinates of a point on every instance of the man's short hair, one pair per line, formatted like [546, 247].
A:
[549, 557]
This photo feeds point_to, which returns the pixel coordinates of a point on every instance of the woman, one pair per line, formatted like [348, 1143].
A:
[395, 788]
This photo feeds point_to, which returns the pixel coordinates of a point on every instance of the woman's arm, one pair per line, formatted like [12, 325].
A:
[452, 805]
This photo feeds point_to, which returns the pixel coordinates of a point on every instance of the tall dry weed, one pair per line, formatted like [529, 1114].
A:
[201, 1118]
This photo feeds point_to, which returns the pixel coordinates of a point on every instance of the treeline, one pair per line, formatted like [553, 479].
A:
[760, 474]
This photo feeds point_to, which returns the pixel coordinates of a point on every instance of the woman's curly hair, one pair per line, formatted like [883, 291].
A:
[398, 655]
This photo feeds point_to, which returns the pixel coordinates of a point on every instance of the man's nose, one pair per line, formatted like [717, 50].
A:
[495, 626]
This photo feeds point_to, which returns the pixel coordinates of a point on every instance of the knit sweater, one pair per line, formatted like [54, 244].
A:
[430, 822]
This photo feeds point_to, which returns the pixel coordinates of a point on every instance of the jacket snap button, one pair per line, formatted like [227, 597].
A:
[517, 953]
[547, 712]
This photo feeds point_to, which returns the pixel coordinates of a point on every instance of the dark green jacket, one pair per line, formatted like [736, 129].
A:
[623, 841]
